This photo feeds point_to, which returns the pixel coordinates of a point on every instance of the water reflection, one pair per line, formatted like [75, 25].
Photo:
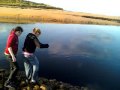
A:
[79, 54]
[89, 45]
[2, 29]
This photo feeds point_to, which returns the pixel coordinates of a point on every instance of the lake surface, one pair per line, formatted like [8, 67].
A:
[85, 55]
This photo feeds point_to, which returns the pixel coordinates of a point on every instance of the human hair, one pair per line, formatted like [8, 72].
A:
[18, 28]
[36, 30]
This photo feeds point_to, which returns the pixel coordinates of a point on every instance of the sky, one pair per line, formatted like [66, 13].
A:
[104, 7]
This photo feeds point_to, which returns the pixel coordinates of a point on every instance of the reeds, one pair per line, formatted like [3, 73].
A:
[35, 15]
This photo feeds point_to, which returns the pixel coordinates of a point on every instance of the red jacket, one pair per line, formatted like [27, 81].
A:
[12, 42]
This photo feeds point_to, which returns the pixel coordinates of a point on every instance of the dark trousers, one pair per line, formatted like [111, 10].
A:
[13, 69]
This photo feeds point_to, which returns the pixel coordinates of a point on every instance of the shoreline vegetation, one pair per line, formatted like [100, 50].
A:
[20, 11]
[36, 15]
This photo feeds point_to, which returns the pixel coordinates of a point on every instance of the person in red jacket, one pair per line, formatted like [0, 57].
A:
[10, 53]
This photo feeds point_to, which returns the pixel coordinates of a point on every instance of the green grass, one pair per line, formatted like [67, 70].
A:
[26, 4]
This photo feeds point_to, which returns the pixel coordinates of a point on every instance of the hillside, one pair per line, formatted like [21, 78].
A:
[26, 4]
[19, 11]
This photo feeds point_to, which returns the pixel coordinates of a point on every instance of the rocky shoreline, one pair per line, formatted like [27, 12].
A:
[43, 84]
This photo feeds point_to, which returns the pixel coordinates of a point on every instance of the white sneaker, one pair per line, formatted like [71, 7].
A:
[33, 81]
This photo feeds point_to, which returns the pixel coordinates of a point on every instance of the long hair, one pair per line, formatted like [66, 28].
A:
[18, 28]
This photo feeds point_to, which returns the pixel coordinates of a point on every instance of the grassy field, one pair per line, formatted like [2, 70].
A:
[25, 4]
[20, 11]
[32, 15]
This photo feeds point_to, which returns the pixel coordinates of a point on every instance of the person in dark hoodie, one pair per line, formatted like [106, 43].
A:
[31, 62]
[10, 53]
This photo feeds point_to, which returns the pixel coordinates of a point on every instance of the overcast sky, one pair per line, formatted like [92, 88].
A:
[105, 7]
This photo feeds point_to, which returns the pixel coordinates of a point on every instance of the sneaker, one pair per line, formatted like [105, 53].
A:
[9, 85]
[33, 82]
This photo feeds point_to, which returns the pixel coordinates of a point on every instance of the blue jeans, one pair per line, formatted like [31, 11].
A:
[31, 65]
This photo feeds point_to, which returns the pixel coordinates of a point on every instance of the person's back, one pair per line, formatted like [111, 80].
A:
[31, 62]
[29, 45]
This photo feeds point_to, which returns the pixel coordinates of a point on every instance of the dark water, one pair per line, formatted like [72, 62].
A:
[87, 55]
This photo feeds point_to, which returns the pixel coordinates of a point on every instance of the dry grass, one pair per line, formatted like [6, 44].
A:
[18, 15]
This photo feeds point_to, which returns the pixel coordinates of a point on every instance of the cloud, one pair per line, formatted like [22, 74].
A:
[87, 46]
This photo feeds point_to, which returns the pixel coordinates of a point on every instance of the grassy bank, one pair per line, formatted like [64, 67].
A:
[25, 4]
[21, 11]
[33, 15]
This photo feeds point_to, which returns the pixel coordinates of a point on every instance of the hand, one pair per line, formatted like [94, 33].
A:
[13, 59]
[47, 45]
[44, 46]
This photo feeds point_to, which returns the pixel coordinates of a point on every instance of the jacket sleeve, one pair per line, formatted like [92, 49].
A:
[10, 41]
[43, 45]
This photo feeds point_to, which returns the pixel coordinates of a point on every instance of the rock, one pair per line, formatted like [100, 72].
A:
[43, 87]
[36, 87]
[45, 84]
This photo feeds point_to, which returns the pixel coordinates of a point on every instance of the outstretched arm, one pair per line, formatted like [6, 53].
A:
[40, 45]
[37, 43]
[44, 45]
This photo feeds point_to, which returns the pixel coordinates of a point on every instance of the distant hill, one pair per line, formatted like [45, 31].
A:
[21, 13]
[25, 4]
